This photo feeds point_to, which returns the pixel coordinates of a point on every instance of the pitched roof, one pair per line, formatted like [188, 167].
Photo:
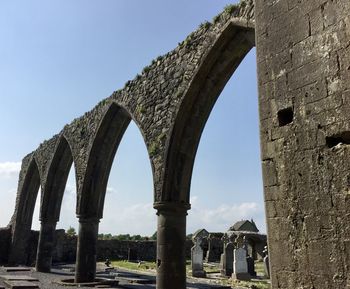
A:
[238, 226]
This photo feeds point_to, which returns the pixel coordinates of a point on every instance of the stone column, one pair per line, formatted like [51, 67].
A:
[171, 238]
[45, 246]
[85, 269]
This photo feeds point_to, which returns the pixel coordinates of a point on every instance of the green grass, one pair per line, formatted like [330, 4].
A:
[146, 266]
[258, 284]
[259, 268]
[143, 266]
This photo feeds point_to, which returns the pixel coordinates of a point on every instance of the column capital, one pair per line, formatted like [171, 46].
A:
[88, 219]
[48, 222]
[175, 208]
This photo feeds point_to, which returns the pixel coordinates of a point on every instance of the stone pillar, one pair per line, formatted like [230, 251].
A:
[85, 269]
[45, 246]
[171, 237]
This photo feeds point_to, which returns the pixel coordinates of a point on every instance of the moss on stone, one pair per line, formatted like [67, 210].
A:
[153, 149]
[229, 9]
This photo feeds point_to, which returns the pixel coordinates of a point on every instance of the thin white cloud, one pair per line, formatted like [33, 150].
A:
[135, 219]
[140, 218]
[222, 217]
[9, 169]
[7, 206]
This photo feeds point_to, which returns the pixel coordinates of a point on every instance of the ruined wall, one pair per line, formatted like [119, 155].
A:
[170, 101]
[5, 238]
[303, 49]
[66, 246]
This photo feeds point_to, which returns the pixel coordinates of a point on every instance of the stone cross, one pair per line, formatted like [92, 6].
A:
[239, 241]
[197, 259]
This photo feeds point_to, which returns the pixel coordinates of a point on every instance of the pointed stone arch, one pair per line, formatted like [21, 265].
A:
[51, 202]
[92, 195]
[218, 65]
[103, 149]
[25, 203]
[56, 181]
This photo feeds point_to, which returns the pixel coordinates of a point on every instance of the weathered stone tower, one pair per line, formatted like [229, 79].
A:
[303, 49]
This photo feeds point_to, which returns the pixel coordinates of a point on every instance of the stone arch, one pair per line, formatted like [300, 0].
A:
[51, 202]
[56, 180]
[218, 65]
[23, 216]
[93, 189]
[100, 158]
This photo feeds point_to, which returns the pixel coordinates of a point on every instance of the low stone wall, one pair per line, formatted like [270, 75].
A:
[65, 249]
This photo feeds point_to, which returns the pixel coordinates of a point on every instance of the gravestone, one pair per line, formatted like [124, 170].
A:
[240, 266]
[245, 245]
[197, 253]
[209, 257]
[227, 260]
[251, 266]
[214, 247]
[266, 263]
[197, 260]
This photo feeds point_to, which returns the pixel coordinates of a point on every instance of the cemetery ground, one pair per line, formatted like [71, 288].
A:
[212, 269]
[130, 275]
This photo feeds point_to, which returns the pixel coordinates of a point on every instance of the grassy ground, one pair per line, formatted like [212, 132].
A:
[262, 283]
[142, 266]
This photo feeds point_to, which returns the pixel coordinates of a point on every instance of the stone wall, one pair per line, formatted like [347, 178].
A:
[5, 239]
[303, 50]
[65, 248]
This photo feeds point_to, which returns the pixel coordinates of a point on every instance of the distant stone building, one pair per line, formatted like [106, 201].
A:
[256, 241]
[212, 242]
[244, 225]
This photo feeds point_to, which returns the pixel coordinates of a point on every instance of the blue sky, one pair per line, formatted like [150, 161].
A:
[60, 58]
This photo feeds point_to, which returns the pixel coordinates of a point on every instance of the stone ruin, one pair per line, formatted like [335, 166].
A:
[303, 49]
[236, 251]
